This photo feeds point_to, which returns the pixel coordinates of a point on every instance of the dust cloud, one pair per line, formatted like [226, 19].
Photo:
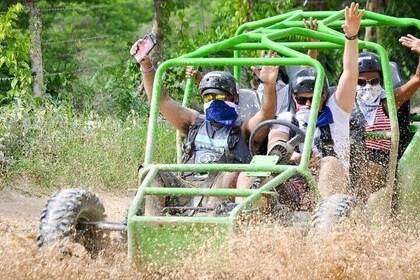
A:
[263, 251]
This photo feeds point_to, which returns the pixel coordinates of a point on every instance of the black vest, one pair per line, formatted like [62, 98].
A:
[237, 150]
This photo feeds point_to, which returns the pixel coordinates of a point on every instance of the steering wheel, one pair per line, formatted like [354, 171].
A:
[282, 149]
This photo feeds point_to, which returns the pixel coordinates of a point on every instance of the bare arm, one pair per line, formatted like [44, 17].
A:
[346, 89]
[268, 75]
[178, 116]
[411, 42]
[190, 72]
[312, 24]
[406, 91]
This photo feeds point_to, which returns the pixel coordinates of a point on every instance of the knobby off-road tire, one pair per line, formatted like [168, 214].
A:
[332, 210]
[63, 215]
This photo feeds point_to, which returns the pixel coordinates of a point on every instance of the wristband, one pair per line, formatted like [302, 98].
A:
[148, 69]
[351, 37]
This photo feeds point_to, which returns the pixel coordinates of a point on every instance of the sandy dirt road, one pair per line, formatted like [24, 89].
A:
[265, 252]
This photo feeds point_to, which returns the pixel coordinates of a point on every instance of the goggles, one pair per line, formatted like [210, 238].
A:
[372, 82]
[301, 100]
[214, 96]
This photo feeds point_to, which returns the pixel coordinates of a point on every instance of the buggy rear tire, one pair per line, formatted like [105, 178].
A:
[63, 216]
[332, 210]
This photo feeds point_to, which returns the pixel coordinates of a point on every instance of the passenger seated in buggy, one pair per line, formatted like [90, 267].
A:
[331, 143]
[371, 114]
[218, 136]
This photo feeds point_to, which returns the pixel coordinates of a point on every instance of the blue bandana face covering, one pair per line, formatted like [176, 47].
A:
[221, 112]
[324, 117]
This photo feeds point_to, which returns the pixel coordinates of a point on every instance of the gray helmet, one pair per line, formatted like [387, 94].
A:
[218, 82]
[369, 61]
[304, 81]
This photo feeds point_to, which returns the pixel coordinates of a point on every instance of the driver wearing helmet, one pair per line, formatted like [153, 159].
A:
[331, 139]
[217, 136]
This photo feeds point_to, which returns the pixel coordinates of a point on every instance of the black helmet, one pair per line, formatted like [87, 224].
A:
[304, 81]
[218, 82]
[369, 61]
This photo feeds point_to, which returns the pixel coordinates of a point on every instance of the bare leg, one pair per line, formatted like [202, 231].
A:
[332, 177]
[378, 198]
[223, 180]
[244, 182]
[376, 175]
[154, 204]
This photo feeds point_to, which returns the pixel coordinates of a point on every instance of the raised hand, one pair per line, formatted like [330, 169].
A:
[353, 18]
[312, 24]
[411, 42]
[268, 73]
[135, 48]
[190, 72]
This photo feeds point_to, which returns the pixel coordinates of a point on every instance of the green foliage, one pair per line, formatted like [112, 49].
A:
[55, 148]
[237, 12]
[91, 127]
[120, 95]
[86, 53]
[406, 59]
[15, 72]
[191, 24]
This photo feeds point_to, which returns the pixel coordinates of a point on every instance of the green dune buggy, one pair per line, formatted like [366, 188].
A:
[79, 215]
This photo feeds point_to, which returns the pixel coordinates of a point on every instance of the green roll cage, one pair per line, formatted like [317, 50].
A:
[148, 237]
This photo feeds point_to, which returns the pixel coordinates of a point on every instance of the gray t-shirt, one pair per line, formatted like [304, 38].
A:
[210, 143]
[283, 97]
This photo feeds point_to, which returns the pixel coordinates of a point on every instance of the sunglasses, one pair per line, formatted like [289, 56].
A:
[301, 100]
[372, 82]
[214, 96]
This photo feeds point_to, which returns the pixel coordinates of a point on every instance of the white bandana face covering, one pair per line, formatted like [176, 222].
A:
[369, 94]
[303, 115]
[369, 98]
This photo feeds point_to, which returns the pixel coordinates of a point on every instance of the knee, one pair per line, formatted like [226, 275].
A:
[226, 180]
[332, 178]
[332, 165]
[331, 162]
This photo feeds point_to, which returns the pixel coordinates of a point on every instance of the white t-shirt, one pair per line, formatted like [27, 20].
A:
[340, 131]
[283, 96]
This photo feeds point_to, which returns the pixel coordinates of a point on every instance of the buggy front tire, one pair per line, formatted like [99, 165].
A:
[65, 215]
[332, 210]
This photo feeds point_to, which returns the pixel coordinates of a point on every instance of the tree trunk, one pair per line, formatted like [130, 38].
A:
[371, 33]
[314, 5]
[250, 10]
[35, 26]
[157, 29]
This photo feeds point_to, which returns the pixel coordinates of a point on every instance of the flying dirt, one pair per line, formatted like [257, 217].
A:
[265, 251]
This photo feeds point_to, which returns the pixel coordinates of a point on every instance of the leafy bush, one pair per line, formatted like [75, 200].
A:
[86, 54]
[15, 72]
